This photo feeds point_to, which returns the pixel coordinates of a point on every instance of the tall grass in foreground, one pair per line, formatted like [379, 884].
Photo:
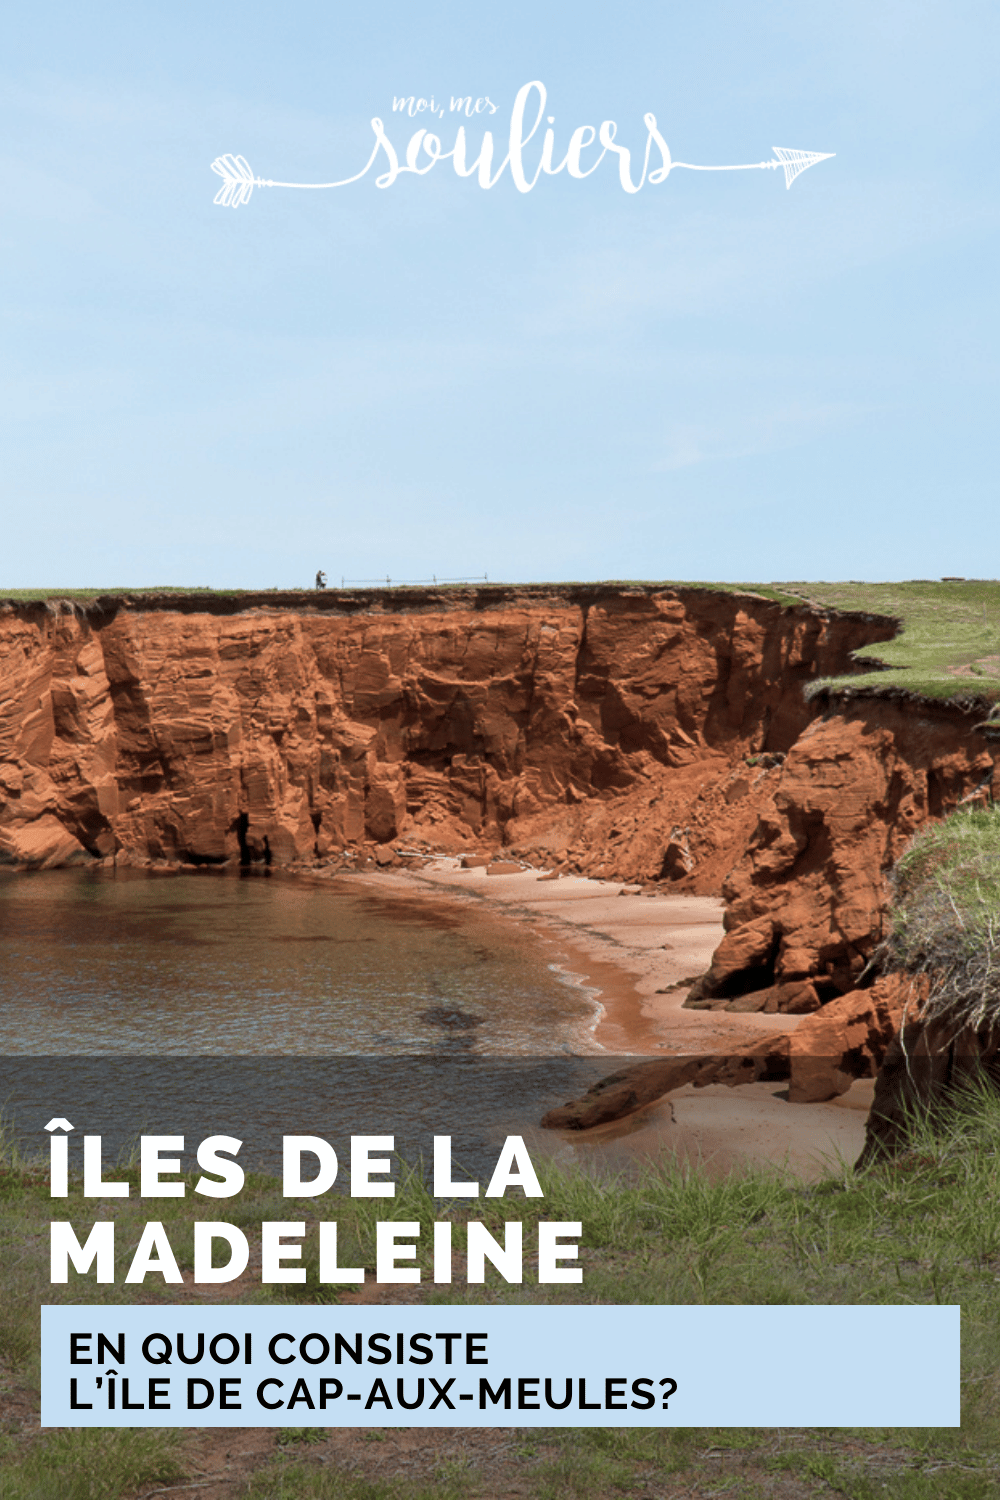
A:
[925, 1229]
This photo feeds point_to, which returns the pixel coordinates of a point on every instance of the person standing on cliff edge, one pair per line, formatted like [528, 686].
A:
[321, 579]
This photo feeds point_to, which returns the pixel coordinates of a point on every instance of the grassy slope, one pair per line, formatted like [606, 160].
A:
[949, 644]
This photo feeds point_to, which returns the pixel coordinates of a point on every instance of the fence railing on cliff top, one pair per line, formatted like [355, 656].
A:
[411, 582]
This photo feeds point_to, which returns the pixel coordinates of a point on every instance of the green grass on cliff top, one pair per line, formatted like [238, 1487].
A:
[948, 645]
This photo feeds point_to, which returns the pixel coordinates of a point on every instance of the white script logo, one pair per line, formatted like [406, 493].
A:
[463, 103]
[423, 152]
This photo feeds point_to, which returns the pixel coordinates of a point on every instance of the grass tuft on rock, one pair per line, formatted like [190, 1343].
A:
[946, 918]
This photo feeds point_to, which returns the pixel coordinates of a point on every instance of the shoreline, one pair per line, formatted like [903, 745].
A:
[641, 951]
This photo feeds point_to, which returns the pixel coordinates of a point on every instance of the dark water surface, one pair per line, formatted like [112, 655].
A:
[199, 1004]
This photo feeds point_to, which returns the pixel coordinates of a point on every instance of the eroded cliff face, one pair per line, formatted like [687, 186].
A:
[606, 727]
[806, 899]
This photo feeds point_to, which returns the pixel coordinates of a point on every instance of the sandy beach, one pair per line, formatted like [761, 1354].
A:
[639, 951]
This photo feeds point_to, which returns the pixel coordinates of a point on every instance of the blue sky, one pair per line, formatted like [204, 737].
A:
[713, 378]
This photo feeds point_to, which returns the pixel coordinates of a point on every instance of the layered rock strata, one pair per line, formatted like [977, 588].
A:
[604, 726]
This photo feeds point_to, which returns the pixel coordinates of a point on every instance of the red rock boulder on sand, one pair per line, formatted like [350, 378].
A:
[622, 1093]
[821, 1058]
[847, 1039]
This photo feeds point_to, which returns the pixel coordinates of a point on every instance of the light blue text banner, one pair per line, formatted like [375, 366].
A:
[441, 1366]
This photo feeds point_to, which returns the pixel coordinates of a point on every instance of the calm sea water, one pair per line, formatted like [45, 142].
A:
[195, 964]
[205, 1003]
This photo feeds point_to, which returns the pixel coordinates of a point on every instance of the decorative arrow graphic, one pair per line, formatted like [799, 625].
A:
[239, 181]
[793, 161]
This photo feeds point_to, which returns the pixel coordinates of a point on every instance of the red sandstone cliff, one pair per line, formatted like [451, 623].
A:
[608, 725]
[806, 897]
